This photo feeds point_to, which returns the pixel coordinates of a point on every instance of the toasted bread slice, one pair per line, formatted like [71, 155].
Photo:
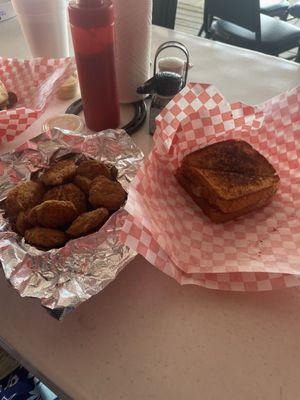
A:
[228, 177]
[213, 212]
[230, 191]
[230, 156]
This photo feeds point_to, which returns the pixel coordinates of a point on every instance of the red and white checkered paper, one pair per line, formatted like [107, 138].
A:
[34, 82]
[258, 252]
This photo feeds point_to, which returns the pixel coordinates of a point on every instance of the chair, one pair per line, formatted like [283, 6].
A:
[241, 24]
[294, 10]
[297, 59]
[275, 8]
[164, 13]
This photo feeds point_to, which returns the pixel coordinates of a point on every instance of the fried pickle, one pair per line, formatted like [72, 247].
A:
[59, 173]
[88, 222]
[53, 214]
[93, 168]
[83, 183]
[106, 193]
[68, 192]
[24, 196]
[45, 238]
[22, 222]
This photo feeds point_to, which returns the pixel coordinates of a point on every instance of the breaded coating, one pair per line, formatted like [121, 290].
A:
[68, 192]
[83, 183]
[53, 214]
[88, 222]
[45, 238]
[59, 173]
[93, 168]
[106, 193]
[22, 222]
[24, 196]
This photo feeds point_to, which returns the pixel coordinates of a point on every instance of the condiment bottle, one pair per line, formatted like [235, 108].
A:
[163, 86]
[92, 27]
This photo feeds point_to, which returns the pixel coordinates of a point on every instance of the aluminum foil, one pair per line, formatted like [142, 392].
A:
[64, 278]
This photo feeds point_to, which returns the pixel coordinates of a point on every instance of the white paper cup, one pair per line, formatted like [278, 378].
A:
[45, 26]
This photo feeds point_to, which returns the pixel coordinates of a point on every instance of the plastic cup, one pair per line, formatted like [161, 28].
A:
[45, 26]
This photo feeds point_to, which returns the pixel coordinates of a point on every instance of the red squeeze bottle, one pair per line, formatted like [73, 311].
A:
[92, 26]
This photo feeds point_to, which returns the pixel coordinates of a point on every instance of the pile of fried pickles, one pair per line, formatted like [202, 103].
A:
[64, 202]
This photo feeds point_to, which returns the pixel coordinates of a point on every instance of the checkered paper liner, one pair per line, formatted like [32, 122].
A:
[34, 82]
[258, 252]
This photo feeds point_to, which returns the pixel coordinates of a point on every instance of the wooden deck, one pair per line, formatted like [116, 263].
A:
[189, 16]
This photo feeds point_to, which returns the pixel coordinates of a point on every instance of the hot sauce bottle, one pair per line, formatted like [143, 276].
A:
[92, 27]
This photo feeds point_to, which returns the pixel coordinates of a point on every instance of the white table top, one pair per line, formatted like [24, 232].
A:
[146, 337]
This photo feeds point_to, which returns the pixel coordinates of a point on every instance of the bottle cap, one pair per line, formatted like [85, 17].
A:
[91, 13]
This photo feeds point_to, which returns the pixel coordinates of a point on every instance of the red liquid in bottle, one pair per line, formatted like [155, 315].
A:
[92, 26]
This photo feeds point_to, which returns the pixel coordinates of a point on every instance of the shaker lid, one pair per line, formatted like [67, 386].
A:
[163, 83]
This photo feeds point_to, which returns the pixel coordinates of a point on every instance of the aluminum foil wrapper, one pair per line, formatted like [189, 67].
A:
[63, 278]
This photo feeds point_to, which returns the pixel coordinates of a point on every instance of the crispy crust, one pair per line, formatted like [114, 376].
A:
[88, 222]
[106, 193]
[83, 183]
[23, 197]
[222, 189]
[92, 169]
[59, 173]
[53, 214]
[230, 156]
[214, 213]
[22, 222]
[45, 238]
[230, 176]
[68, 192]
